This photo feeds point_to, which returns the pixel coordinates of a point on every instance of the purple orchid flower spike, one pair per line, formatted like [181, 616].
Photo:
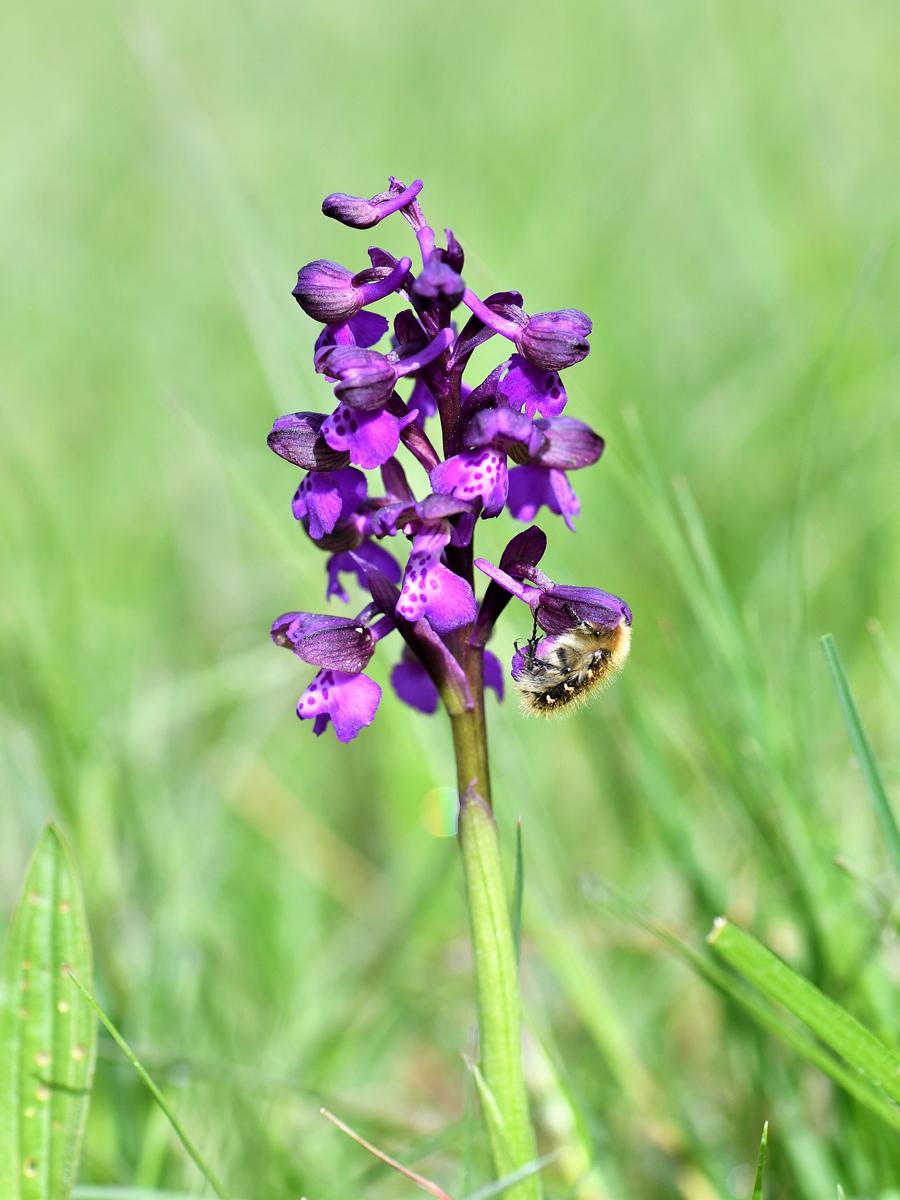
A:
[504, 447]
[516, 412]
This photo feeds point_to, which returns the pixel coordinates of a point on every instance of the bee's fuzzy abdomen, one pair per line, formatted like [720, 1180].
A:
[552, 687]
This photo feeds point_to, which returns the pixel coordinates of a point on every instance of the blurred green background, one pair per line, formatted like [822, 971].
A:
[276, 923]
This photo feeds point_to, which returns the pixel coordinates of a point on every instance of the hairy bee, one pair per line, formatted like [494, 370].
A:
[558, 672]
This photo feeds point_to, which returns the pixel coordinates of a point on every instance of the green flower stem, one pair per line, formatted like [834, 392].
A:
[503, 1094]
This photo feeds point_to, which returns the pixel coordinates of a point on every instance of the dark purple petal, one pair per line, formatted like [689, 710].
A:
[525, 549]
[298, 438]
[414, 685]
[522, 554]
[368, 328]
[350, 700]
[531, 487]
[408, 333]
[532, 389]
[422, 400]
[555, 340]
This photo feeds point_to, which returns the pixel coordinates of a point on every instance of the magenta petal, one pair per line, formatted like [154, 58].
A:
[370, 438]
[533, 389]
[532, 487]
[414, 686]
[323, 497]
[432, 590]
[349, 700]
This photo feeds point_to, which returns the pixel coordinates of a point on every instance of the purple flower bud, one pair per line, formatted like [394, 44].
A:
[298, 438]
[325, 292]
[328, 292]
[360, 213]
[325, 641]
[453, 255]
[555, 340]
[365, 377]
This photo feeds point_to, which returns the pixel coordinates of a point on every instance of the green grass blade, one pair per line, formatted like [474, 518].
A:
[48, 1037]
[518, 892]
[769, 1018]
[503, 1185]
[503, 1157]
[183, 1136]
[833, 1024]
[863, 750]
[760, 1180]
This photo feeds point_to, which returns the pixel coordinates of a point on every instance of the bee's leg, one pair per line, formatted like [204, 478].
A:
[534, 639]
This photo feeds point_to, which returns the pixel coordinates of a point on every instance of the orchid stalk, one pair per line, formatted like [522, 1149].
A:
[412, 398]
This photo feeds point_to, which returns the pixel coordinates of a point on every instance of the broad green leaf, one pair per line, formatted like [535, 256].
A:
[833, 1024]
[863, 750]
[760, 1180]
[48, 1035]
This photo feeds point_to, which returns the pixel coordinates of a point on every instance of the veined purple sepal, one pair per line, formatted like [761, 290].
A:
[555, 340]
[330, 293]
[323, 640]
[297, 437]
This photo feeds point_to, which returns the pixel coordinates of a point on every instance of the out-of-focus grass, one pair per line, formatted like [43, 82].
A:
[274, 925]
